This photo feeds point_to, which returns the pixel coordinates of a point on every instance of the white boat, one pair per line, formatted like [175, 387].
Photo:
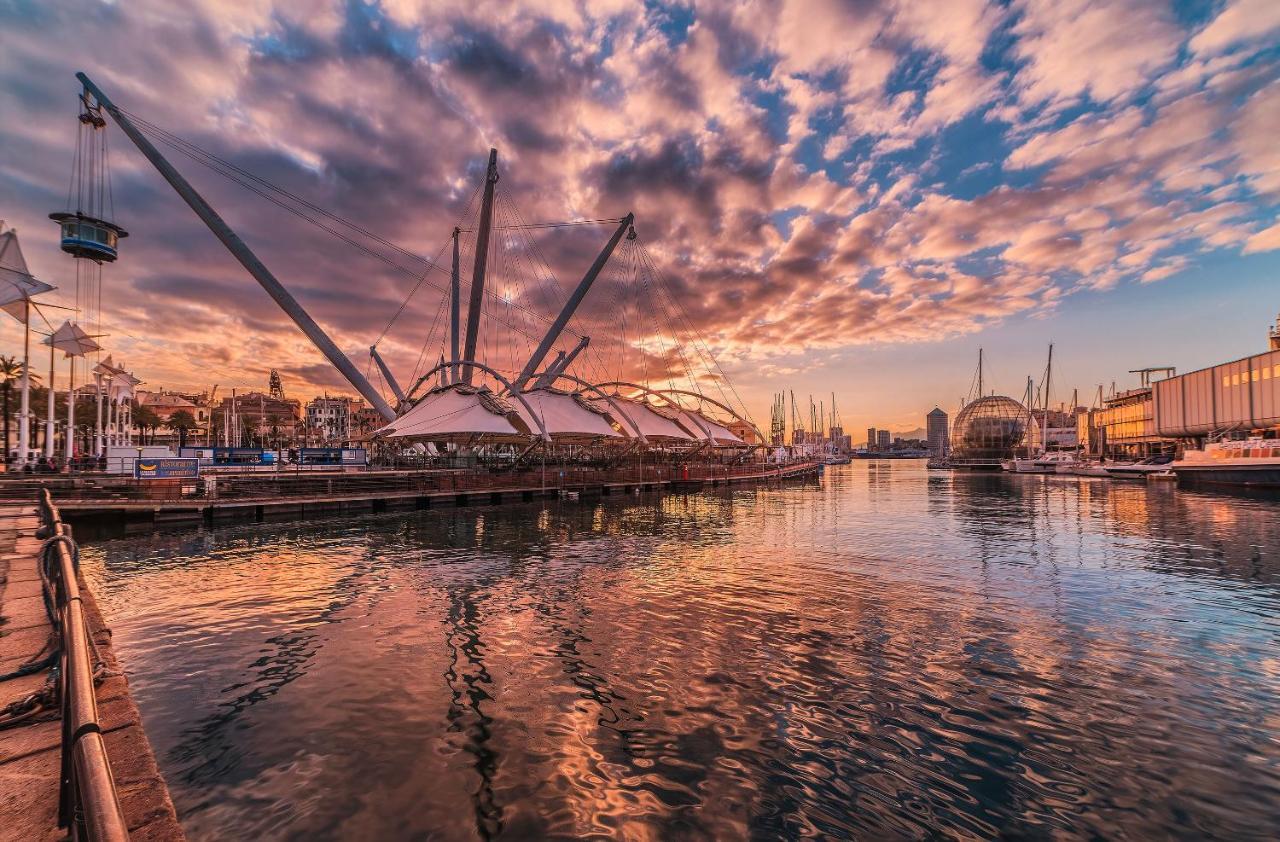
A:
[1252, 462]
[1053, 462]
[1089, 469]
[1139, 470]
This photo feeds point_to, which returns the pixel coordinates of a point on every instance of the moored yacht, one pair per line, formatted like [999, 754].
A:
[1252, 462]
[1139, 470]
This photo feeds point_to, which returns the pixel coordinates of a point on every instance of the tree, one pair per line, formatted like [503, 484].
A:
[10, 370]
[273, 424]
[181, 422]
[145, 418]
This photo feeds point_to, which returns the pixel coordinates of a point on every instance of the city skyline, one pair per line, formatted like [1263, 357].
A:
[857, 217]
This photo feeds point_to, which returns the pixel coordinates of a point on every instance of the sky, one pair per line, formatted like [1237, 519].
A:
[845, 198]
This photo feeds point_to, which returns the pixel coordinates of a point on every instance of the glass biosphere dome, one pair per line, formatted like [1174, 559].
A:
[988, 429]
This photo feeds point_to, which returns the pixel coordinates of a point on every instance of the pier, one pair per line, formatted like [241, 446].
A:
[259, 496]
[74, 759]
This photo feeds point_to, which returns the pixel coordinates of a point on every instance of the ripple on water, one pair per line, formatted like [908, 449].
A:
[890, 653]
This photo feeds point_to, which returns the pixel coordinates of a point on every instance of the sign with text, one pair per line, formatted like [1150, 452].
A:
[168, 467]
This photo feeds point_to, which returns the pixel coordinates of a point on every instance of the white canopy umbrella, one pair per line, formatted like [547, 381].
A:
[459, 413]
[564, 416]
[71, 340]
[17, 287]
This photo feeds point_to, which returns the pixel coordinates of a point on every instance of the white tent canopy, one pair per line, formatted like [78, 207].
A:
[458, 413]
[71, 339]
[564, 417]
[649, 419]
[720, 434]
[16, 283]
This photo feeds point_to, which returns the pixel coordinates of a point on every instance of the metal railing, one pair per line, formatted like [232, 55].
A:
[88, 805]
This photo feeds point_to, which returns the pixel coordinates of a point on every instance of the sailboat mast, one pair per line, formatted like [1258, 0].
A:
[1044, 420]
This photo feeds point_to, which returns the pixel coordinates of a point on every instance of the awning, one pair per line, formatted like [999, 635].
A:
[653, 421]
[565, 417]
[458, 413]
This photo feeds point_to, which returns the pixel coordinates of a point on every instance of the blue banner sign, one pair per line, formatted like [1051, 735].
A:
[166, 467]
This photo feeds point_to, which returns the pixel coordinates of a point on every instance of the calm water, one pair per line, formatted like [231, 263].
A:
[890, 653]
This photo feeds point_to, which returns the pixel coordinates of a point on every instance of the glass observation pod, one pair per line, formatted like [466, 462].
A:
[85, 236]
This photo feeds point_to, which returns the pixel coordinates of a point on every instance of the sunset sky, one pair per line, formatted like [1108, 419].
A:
[845, 197]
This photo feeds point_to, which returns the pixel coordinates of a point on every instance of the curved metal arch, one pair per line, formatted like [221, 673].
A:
[609, 400]
[664, 392]
[646, 390]
[542, 428]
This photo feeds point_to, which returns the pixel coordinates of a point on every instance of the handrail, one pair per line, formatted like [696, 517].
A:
[88, 803]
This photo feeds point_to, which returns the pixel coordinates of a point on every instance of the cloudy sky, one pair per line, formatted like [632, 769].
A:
[845, 197]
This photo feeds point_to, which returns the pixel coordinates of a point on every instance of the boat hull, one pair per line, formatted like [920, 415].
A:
[1244, 476]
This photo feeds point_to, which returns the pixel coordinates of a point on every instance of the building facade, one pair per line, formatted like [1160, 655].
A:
[871, 438]
[882, 440]
[240, 419]
[937, 433]
[330, 419]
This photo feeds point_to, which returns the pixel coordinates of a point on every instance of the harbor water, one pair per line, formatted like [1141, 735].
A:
[885, 653]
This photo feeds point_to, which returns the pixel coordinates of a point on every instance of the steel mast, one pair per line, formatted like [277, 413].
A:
[242, 253]
[481, 262]
[570, 306]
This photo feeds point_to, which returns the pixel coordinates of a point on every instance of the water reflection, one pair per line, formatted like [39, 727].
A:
[890, 653]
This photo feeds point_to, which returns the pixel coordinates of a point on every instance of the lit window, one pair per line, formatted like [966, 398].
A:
[1235, 380]
[1226, 380]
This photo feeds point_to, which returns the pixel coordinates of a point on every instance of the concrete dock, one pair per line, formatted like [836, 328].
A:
[31, 750]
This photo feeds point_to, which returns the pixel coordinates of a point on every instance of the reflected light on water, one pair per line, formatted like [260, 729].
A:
[888, 653]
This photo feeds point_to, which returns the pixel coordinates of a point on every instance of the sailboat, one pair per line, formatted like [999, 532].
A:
[1046, 461]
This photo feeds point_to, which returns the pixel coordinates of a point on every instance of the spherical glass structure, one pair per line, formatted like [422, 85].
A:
[988, 429]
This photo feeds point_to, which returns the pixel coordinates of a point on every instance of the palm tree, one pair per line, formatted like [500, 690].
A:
[181, 422]
[10, 370]
[145, 418]
[273, 424]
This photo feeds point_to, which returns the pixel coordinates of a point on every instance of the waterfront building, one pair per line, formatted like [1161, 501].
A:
[329, 418]
[882, 440]
[1241, 396]
[744, 431]
[258, 415]
[871, 438]
[988, 431]
[936, 433]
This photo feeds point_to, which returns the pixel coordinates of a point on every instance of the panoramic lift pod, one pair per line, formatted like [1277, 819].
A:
[566, 417]
[89, 237]
[459, 413]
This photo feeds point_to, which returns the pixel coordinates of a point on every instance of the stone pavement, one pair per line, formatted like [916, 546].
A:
[30, 753]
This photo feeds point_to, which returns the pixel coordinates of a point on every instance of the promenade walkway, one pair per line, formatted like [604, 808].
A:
[31, 749]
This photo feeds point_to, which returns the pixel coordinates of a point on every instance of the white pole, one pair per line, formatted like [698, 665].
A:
[49, 419]
[71, 412]
[24, 414]
[97, 427]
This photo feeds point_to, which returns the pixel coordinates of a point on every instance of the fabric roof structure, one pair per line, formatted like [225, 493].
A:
[706, 429]
[71, 340]
[720, 434]
[565, 417]
[16, 283]
[459, 413]
[652, 422]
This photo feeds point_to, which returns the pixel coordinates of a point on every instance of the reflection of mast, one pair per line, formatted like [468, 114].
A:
[467, 678]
